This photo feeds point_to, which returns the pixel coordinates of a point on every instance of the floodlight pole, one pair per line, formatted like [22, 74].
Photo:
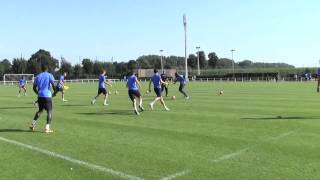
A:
[198, 52]
[161, 51]
[232, 50]
[185, 46]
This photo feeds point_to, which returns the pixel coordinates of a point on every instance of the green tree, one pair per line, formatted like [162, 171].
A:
[132, 65]
[213, 60]
[39, 58]
[19, 66]
[77, 72]
[192, 61]
[65, 66]
[87, 66]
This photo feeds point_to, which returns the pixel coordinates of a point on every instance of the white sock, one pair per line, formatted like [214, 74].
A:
[47, 126]
[34, 122]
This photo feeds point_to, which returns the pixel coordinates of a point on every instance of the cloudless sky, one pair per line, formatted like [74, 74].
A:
[269, 31]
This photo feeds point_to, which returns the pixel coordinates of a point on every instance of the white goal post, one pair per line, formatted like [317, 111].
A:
[13, 78]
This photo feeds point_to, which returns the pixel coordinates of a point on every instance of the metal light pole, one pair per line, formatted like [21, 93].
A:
[198, 47]
[161, 51]
[185, 46]
[232, 50]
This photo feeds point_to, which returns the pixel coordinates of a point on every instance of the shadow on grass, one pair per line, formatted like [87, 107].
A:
[113, 112]
[31, 107]
[282, 117]
[75, 105]
[16, 130]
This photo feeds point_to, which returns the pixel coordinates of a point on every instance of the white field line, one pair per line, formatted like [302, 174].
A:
[231, 155]
[72, 160]
[178, 174]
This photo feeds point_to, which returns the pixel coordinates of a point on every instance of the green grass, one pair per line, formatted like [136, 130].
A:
[253, 131]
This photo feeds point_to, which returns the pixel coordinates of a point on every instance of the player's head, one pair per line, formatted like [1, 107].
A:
[44, 67]
[65, 74]
[176, 74]
[103, 71]
[131, 72]
[155, 71]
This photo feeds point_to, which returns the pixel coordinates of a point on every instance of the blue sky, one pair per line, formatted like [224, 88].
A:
[269, 31]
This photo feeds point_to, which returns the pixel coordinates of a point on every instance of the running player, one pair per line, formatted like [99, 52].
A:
[157, 81]
[41, 87]
[22, 86]
[60, 86]
[182, 81]
[102, 88]
[164, 86]
[134, 93]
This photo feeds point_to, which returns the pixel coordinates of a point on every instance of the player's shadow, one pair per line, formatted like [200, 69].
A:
[15, 130]
[17, 107]
[282, 117]
[111, 112]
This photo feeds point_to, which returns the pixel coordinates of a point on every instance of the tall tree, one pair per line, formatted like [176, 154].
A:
[19, 66]
[78, 73]
[192, 61]
[87, 66]
[39, 58]
[213, 60]
[132, 65]
[202, 59]
[65, 66]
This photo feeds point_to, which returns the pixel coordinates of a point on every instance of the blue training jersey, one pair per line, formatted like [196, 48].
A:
[102, 80]
[43, 82]
[180, 79]
[22, 82]
[61, 81]
[132, 84]
[156, 79]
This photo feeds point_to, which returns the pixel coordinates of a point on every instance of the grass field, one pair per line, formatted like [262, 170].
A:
[253, 131]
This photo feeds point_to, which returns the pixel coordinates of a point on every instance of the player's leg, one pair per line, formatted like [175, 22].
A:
[158, 93]
[19, 91]
[62, 95]
[167, 90]
[138, 95]
[48, 107]
[25, 90]
[318, 84]
[164, 104]
[95, 98]
[105, 93]
[181, 91]
[38, 114]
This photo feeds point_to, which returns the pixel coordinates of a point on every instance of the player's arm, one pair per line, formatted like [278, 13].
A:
[108, 83]
[137, 81]
[35, 90]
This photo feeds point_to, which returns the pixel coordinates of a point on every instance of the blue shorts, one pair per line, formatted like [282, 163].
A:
[133, 94]
[158, 91]
[58, 88]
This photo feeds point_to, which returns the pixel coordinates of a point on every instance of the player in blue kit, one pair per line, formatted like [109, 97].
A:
[157, 81]
[133, 92]
[41, 86]
[182, 82]
[60, 86]
[102, 88]
[22, 86]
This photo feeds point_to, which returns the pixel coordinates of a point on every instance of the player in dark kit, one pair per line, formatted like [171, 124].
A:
[164, 86]
[22, 86]
[133, 92]
[60, 86]
[102, 88]
[182, 84]
[41, 87]
[156, 80]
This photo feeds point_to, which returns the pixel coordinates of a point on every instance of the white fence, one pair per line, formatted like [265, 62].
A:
[67, 81]
[83, 81]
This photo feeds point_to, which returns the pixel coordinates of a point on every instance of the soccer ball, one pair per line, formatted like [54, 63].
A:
[221, 92]
[116, 92]
[109, 93]
[173, 97]
[147, 92]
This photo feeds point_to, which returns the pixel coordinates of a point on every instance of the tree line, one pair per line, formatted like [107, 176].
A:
[89, 68]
